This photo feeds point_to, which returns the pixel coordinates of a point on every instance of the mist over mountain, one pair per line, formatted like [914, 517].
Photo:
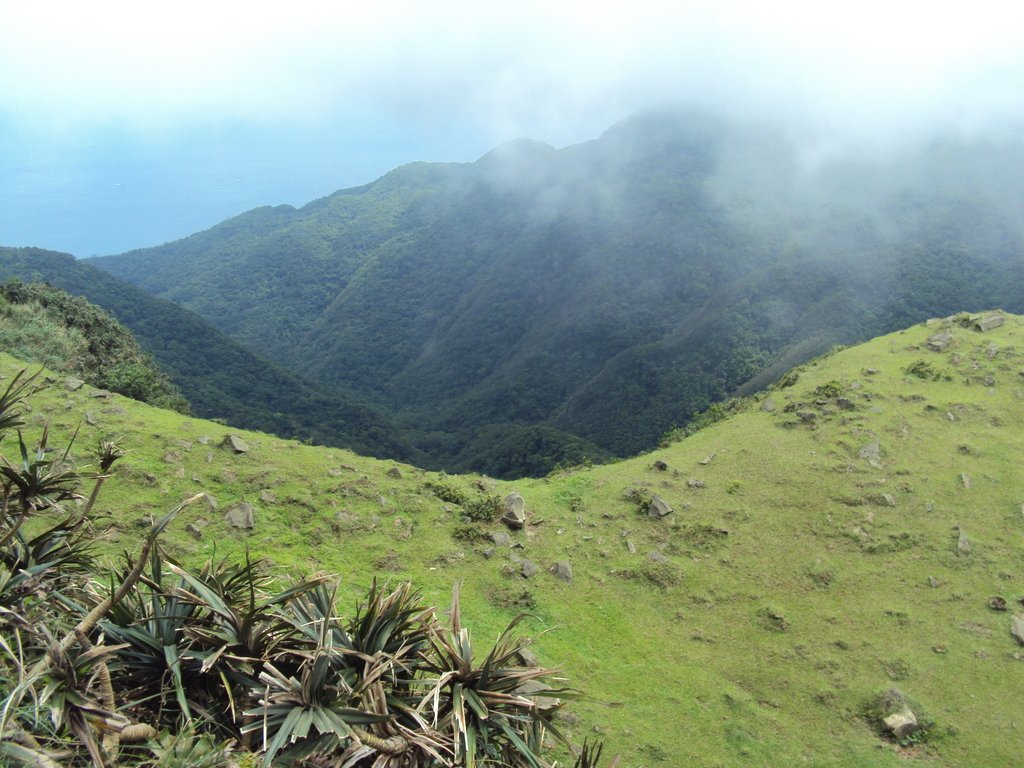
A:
[606, 291]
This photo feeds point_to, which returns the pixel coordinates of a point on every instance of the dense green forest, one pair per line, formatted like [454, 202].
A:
[218, 376]
[606, 291]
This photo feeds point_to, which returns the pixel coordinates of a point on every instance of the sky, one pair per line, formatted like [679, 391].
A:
[128, 124]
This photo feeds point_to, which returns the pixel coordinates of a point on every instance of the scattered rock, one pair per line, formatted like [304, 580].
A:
[901, 724]
[562, 570]
[695, 484]
[240, 515]
[210, 501]
[939, 341]
[808, 417]
[658, 507]
[528, 569]
[933, 582]
[528, 657]
[394, 472]
[896, 715]
[235, 443]
[115, 410]
[997, 603]
[194, 531]
[268, 497]
[656, 557]
[173, 457]
[71, 384]
[102, 393]
[500, 539]
[90, 418]
[884, 500]
[768, 405]
[963, 544]
[870, 371]
[991, 351]
[845, 404]
[965, 479]
[707, 459]
[871, 452]
[515, 511]
[987, 322]
[659, 465]
[536, 691]
[631, 547]
[204, 439]
[1017, 629]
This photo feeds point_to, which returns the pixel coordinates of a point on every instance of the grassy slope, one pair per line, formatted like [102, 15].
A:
[706, 676]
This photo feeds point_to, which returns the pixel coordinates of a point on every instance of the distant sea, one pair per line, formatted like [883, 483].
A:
[108, 192]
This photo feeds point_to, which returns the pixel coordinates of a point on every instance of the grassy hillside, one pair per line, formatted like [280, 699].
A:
[607, 290]
[43, 324]
[836, 537]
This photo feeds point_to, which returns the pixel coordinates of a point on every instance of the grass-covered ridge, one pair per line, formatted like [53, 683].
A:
[815, 556]
[43, 324]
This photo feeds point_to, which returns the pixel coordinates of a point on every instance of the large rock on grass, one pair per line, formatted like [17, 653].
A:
[240, 515]
[515, 511]
[1017, 629]
[658, 507]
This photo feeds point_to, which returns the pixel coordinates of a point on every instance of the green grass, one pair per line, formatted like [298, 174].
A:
[797, 592]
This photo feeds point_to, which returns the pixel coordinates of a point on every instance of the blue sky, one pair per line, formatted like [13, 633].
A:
[127, 124]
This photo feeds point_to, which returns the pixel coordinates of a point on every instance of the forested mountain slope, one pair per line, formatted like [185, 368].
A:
[606, 290]
[218, 376]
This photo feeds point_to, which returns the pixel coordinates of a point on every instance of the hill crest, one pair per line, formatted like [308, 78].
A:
[814, 555]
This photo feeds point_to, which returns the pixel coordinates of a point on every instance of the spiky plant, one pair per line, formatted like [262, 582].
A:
[95, 660]
[494, 712]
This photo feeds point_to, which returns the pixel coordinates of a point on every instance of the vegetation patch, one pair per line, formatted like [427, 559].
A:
[703, 537]
[924, 370]
[483, 508]
[446, 490]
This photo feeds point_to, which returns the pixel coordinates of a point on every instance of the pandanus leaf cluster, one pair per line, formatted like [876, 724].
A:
[151, 661]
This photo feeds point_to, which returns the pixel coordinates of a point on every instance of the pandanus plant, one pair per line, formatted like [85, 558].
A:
[213, 666]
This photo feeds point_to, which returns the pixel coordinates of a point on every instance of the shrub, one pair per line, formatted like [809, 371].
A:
[483, 508]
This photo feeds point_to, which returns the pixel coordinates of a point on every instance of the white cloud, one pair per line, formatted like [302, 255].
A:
[551, 69]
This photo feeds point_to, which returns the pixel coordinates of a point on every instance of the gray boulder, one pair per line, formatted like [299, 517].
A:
[500, 539]
[872, 451]
[658, 507]
[515, 511]
[940, 341]
[1017, 629]
[988, 322]
[963, 544]
[235, 443]
[562, 570]
[528, 568]
[71, 384]
[240, 515]
[901, 724]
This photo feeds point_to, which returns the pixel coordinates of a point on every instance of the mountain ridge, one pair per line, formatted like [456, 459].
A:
[219, 377]
[814, 557]
[608, 290]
